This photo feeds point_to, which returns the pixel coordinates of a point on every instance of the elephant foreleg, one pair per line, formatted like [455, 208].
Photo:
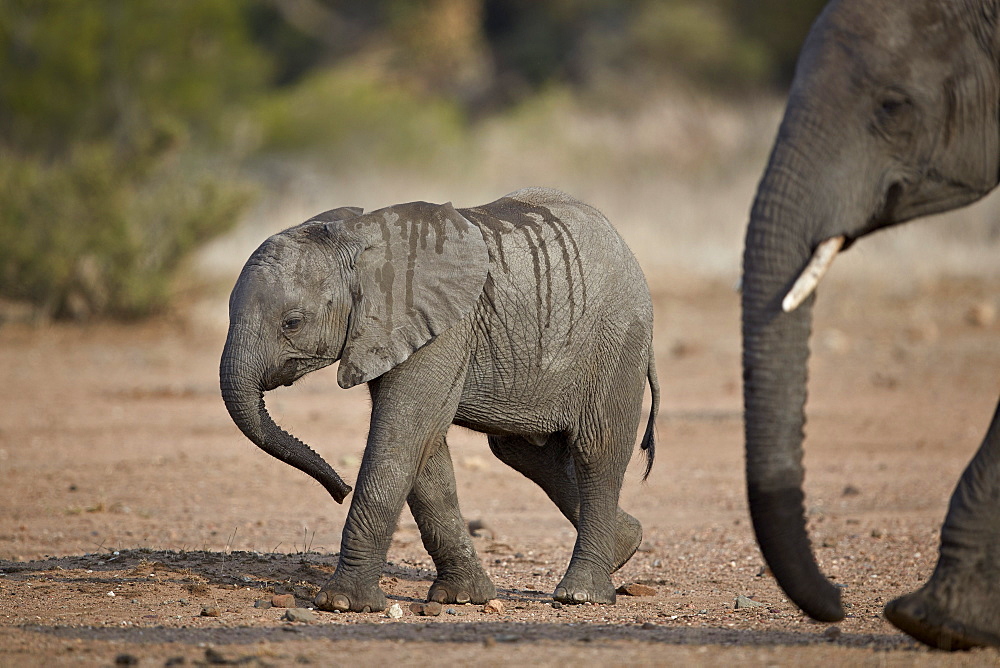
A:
[433, 502]
[959, 607]
[412, 407]
[551, 467]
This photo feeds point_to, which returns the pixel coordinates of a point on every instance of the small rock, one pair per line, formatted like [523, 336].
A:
[648, 626]
[451, 611]
[744, 602]
[126, 660]
[493, 607]
[832, 632]
[479, 529]
[983, 314]
[214, 657]
[210, 611]
[394, 611]
[263, 604]
[850, 490]
[299, 615]
[635, 589]
[428, 609]
[283, 601]
[877, 533]
[556, 605]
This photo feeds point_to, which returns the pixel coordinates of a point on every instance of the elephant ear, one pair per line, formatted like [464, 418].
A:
[419, 269]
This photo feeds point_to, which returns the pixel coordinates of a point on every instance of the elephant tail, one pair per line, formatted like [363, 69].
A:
[649, 439]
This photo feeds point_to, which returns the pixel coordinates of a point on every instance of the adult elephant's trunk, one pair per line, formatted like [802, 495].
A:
[779, 243]
[242, 384]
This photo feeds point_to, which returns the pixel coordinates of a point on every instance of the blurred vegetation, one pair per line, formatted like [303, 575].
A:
[127, 128]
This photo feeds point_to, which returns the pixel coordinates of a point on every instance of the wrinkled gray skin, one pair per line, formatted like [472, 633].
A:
[527, 319]
[892, 114]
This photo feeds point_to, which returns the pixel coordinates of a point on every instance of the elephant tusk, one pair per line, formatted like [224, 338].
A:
[810, 277]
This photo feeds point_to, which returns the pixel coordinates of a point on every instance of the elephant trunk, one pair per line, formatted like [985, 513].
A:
[242, 385]
[775, 357]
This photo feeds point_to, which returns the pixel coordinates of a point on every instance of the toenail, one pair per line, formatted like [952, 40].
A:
[462, 598]
[580, 596]
[321, 598]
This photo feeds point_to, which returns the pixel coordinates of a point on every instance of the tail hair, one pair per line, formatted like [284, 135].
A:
[649, 439]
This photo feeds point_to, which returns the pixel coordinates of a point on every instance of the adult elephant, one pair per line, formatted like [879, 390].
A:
[892, 114]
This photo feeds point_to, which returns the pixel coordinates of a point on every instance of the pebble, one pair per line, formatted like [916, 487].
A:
[635, 589]
[981, 315]
[299, 615]
[394, 611]
[479, 529]
[832, 632]
[263, 604]
[210, 611]
[428, 609]
[283, 601]
[743, 602]
[493, 607]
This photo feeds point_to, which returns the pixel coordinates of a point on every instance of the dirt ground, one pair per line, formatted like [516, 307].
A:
[139, 527]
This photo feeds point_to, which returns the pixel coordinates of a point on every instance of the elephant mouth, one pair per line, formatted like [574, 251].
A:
[293, 369]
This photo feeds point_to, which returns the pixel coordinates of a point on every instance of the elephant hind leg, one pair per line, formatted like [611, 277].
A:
[959, 607]
[552, 468]
[433, 502]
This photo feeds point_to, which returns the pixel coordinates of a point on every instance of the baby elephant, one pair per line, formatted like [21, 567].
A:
[527, 319]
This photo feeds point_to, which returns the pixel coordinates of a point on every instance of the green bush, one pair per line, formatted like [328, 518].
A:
[358, 113]
[98, 235]
[101, 105]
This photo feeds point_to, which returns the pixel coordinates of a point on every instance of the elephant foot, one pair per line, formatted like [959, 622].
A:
[337, 597]
[962, 620]
[628, 537]
[579, 586]
[449, 589]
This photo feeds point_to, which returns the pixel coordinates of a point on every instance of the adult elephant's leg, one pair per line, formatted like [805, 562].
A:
[434, 504]
[959, 607]
[551, 467]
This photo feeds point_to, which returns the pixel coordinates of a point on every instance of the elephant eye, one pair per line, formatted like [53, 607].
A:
[291, 324]
[893, 106]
